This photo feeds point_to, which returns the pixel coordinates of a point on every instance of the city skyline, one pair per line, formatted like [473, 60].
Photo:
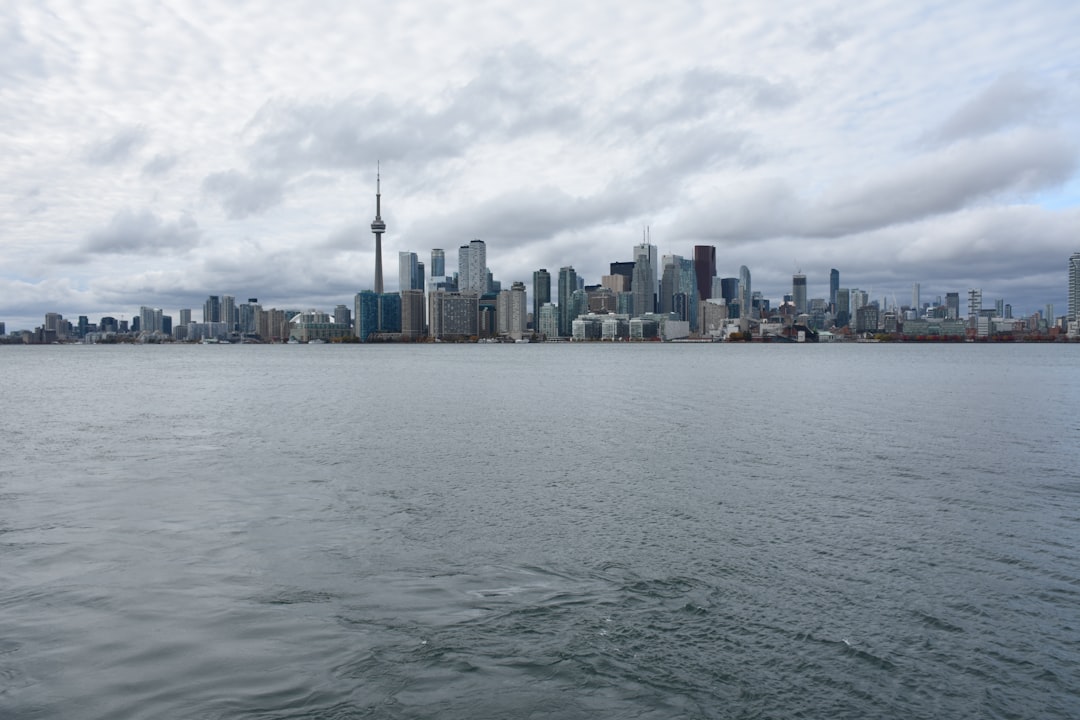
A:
[225, 153]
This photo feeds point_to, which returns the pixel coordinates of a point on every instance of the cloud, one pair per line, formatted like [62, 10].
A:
[242, 195]
[1018, 163]
[117, 148]
[159, 165]
[1022, 162]
[21, 61]
[698, 93]
[516, 91]
[141, 233]
[1010, 100]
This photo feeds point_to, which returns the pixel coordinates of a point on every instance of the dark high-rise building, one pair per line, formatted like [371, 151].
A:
[843, 307]
[438, 262]
[390, 313]
[378, 227]
[1074, 287]
[746, 294]
[541, 294]
[834, 286]
[729, 290]
[366, 314]
[412, 313]
[798, 292]
[212, 309]
[626, 269]
[669, 283]
[704, 269]
[952, 305]
[567, 286]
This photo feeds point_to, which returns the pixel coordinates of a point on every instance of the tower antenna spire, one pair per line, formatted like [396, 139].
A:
[378, 227]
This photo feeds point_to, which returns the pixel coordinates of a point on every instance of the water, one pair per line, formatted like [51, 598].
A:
[540, 531]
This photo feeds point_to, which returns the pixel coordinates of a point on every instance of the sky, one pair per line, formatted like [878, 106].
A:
[156, 153]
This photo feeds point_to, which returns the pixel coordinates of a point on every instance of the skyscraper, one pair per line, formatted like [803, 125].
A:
[228, 312]
[834, 286]
[541, 294]
[843, 307]
[669, 282]
[704, 269]
[974, 302]
[412, 313]
[916, 300]
[746, 307]
[952, 306]
[1074, 287]
[438, 262]
[567, 286]
[472, 267]
[407, 271]
[798, 292]
[378, 227]
[646, 271]
[212, 309]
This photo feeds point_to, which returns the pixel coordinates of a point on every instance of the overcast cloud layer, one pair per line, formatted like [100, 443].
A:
[158, 153]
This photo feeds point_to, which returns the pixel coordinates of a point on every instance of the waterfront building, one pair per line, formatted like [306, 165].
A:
[1074, 289]
[548, 322]
[798, 292]
[454, 316]
[390, 313]
[714, 316]
[438, 262]
[567, 287]
[704, 270]
[366, 314]
[412, 314]
[378, 227]
[519, 314]
[541, 293]
[866, 319]
[315, 325]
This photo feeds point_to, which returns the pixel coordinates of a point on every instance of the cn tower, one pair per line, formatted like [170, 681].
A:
[378, 227]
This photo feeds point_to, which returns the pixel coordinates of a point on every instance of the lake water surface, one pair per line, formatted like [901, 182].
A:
[563, 531]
